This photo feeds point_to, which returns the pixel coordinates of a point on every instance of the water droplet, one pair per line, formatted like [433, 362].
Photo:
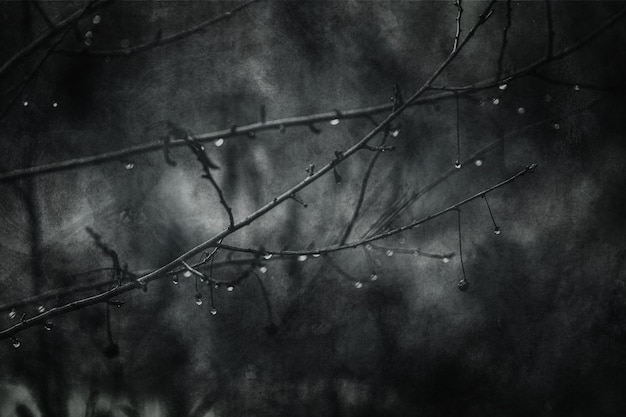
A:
[502, 86]
[89, 34]
[556, 126]
[373, 277]
[368, 247]
[463, 285]
[219, 142]
[395, 133]
[389, 252]
[25, 103]
[16, 342]
[213, 311]
[445, 260]
[478, 162]
[497, 230]
[577, 88]
[129, 166]
[267, 256]
[96, 19]
[316, 255]
[230, 288]
[302, 258]
[263, 269]
[125, 43]
[457, 164]
[358, 284]
[187, 274]
[12, 314]
[87, 42]
[521, 110]
[48, 325]
[334, 122]
[496, 101]
[55, 104]
[41, 308]
[198, 299]
[216, 286]
[175, 279]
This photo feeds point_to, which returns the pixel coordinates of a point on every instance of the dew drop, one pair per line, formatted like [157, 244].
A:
[41, 308]
[478, 162]
[87, 42]
[521, 110]
[55, 104]
[497, 230]
[556, 126]
[389, 252]
[358, 284]
[445, 260]
[368, 247]
[502, 86]
[373, 277]
[12, 314]
[395, 133]
[216, 286]
[16, 342]
[267, 256]
[230, 288]
[198, 299]
[48, 325]
[316, 255]
[577, 88]
[334, 122]
[457, 164]
[463, 285]
[213, 311]
[89, 34]
[175, 279]
[263, 269]
[302, 258]
[129, 166]
[96, 19]
[496, 101]
[219, 142]
[187, 274]
[25, 104]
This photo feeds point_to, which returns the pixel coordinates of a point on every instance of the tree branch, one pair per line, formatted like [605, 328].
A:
[340, 157]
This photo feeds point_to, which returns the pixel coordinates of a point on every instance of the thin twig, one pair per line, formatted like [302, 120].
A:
[58, 27]
[160, 41]
[457, 35]
[365, 112]
[550, 30]
[364, 183]
[162, 271]
[505, 39]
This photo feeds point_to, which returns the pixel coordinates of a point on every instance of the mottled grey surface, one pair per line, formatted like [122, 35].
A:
[541, 330]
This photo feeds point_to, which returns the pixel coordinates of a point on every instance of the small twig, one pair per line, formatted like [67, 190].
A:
[505, 40]
[457, 35]
[550, 30]
[159, 40]
[364, 183]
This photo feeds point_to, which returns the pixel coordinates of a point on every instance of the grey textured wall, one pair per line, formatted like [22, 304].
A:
[541, 330]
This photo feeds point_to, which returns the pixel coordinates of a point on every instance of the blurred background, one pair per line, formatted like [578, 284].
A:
[541, 330]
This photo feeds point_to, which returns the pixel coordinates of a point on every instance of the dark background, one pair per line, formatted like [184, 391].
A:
[541, 330]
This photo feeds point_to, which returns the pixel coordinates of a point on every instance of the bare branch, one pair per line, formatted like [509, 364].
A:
[162, 271]
[159, 40]
[457, 35]
[58, 28]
